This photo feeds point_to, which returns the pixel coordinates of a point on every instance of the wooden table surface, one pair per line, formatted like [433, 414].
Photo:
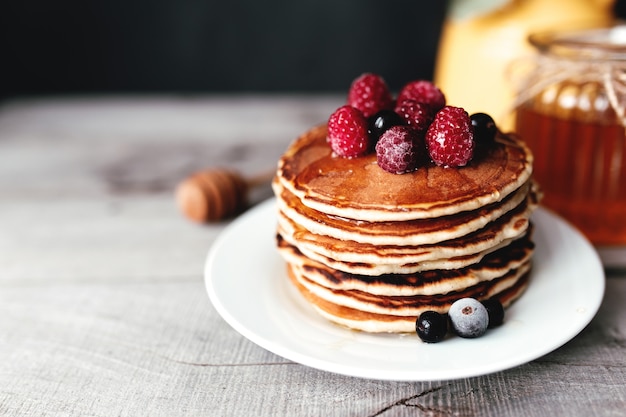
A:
[103, 309]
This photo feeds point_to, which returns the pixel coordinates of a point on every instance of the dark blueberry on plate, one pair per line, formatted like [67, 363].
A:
[431, 326]
[495, 312]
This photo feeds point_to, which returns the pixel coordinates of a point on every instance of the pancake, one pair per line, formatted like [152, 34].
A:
[356, 319]
[377, 269]
[371, 250]
[509, 226]
[431, 282]
[364, 258]
[413, 305]
[409, 232]
[358, 189]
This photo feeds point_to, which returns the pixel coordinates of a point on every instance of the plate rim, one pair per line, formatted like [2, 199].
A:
[415, 376]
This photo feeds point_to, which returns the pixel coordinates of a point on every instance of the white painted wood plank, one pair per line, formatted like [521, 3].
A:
[160, 349]
[115, 238]
[64, 147]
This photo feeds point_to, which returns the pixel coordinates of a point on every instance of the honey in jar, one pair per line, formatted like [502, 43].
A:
[572, 115]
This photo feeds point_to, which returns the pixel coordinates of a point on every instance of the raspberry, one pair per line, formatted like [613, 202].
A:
[425, 92]
[450, 138]
[347, 132]
[370, 94]
[398, 150]
[418, 115]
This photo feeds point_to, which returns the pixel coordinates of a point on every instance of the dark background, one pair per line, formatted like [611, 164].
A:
[199, 46]
[196, 46]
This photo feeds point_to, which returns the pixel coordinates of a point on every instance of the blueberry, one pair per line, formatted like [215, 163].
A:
[381, 122]
[469, 318]
[431, 326]
[495, 311]
[484, 127]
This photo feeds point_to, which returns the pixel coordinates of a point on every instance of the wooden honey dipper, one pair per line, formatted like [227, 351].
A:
[214, 194]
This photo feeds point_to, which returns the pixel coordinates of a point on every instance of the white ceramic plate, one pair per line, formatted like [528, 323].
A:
[247, 283]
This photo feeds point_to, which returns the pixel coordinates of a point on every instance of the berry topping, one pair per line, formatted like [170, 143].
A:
[417, 114]
[450, 138]
[495, 311]
[468, 317]
[431, 326]
[425, 92]
[484, 127]
[347, 132]
[381, 122]
[398, 150]
[370, 94]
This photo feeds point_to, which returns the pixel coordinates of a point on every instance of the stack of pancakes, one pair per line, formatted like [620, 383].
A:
[372, 250]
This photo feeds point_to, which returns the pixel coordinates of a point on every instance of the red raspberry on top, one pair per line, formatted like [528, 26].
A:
[399, 150]
[370, 94]
[416, 114]
[425, 92]
[450, 138]
[347, 132]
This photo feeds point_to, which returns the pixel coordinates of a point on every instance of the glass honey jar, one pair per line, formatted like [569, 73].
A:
[571, 111]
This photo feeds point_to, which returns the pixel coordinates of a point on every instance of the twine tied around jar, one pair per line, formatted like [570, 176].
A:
[532, 75]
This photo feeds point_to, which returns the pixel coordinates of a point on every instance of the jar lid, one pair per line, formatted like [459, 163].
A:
[590, 44]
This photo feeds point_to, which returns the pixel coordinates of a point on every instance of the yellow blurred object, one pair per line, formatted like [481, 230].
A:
[481, 38]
